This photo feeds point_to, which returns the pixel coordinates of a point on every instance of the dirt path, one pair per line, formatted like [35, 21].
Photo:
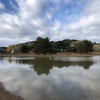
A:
[51, 55]
[5, 95]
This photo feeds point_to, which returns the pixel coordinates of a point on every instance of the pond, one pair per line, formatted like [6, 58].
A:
[52, 78]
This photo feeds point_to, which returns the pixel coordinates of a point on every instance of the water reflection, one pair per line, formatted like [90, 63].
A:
[1, 59]
[65, 80]
[44, 65]
[9, 59]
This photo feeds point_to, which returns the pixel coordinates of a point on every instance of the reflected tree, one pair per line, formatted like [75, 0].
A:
[9, 59]
[44, 65]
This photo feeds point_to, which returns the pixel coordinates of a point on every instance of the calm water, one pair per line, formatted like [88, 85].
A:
[58, 78]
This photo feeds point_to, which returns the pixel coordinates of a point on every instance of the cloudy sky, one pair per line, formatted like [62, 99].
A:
[25, 20]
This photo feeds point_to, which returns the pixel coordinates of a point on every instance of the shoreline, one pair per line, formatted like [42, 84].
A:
[6, 95]
[51, 55]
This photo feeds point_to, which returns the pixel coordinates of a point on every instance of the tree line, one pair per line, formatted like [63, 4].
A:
[45, 46]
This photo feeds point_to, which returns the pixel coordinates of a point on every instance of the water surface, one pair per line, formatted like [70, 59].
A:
[57, 78]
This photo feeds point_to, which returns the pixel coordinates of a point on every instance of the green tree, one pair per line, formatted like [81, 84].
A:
[74, 45]
[19, 46]
[54, 47]
[84, 46]
[79, 47]
[42, 46]
[24, 49]
[30, 45]
[87, 46]
[62, 46]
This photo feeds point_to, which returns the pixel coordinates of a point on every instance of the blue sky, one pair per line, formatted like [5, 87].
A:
[10, 6]
[25, 20]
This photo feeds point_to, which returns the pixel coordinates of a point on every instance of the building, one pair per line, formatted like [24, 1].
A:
[3, 49]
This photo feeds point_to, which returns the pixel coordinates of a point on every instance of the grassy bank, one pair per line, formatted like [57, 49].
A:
[50, 55]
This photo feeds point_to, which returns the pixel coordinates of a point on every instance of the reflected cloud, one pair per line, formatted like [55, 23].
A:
[73, 58]
[62, 83]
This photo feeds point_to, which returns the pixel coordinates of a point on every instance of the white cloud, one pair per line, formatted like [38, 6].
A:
[31, 21]
[87, 27]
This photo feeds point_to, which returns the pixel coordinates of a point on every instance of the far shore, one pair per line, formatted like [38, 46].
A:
[50, 55]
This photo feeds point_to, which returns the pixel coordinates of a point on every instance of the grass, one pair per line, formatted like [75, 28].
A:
[49, 55]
